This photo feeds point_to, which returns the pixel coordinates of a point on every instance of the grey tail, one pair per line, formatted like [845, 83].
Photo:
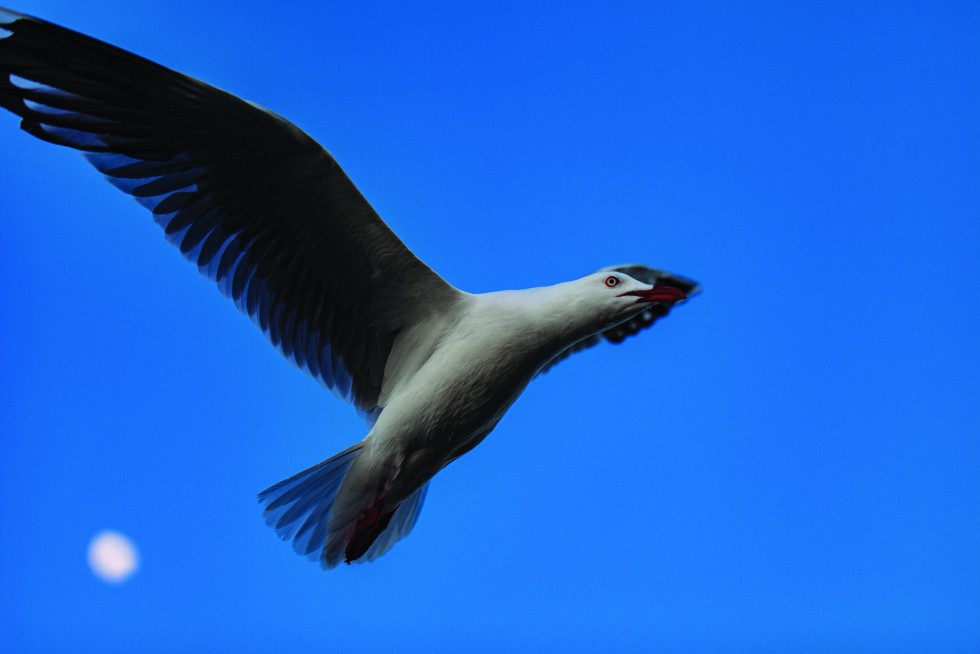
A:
[402, 521]
[298, 508]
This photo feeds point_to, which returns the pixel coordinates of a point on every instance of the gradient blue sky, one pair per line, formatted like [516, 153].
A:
[789, 463]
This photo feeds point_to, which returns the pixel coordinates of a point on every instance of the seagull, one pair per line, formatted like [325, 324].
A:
[266, 213]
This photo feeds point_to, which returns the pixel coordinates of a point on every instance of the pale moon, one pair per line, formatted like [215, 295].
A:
[112, 557]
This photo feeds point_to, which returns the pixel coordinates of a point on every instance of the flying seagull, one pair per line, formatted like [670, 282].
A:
[264, 211]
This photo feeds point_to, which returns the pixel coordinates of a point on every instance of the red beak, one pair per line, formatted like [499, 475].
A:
[659, 294]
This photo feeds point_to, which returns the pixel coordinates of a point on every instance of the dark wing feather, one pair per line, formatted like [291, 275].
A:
[639, 322]
[258, 205]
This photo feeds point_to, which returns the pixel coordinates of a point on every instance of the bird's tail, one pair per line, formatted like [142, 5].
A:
[301, 509]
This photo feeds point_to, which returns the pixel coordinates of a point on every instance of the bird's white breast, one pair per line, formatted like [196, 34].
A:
[447, 386]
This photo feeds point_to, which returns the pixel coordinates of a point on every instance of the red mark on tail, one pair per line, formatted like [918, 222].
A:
[366, 530]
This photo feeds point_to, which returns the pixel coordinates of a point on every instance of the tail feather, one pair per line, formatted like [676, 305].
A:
[300, 484]
[401, 523]
[299, 509]
[296, 506]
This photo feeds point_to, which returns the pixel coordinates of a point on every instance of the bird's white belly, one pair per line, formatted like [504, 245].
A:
[455, 399]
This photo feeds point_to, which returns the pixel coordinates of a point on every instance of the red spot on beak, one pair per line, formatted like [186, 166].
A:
[659, 294]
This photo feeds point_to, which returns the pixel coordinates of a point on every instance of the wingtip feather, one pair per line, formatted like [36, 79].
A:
[8, 17]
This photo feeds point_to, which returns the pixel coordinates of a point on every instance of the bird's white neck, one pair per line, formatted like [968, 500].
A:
[557, 314]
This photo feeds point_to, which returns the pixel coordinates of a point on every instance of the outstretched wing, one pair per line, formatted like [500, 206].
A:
[258, 205]
[639, 322]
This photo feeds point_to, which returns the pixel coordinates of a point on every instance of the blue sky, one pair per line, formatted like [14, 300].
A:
[790, 462]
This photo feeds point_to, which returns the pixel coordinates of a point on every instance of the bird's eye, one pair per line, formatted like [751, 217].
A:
[612, 281]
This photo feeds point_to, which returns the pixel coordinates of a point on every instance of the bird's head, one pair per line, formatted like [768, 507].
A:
[610, 297]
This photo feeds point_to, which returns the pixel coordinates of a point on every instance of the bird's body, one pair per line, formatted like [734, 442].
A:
[456, 386]
[277, 225]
